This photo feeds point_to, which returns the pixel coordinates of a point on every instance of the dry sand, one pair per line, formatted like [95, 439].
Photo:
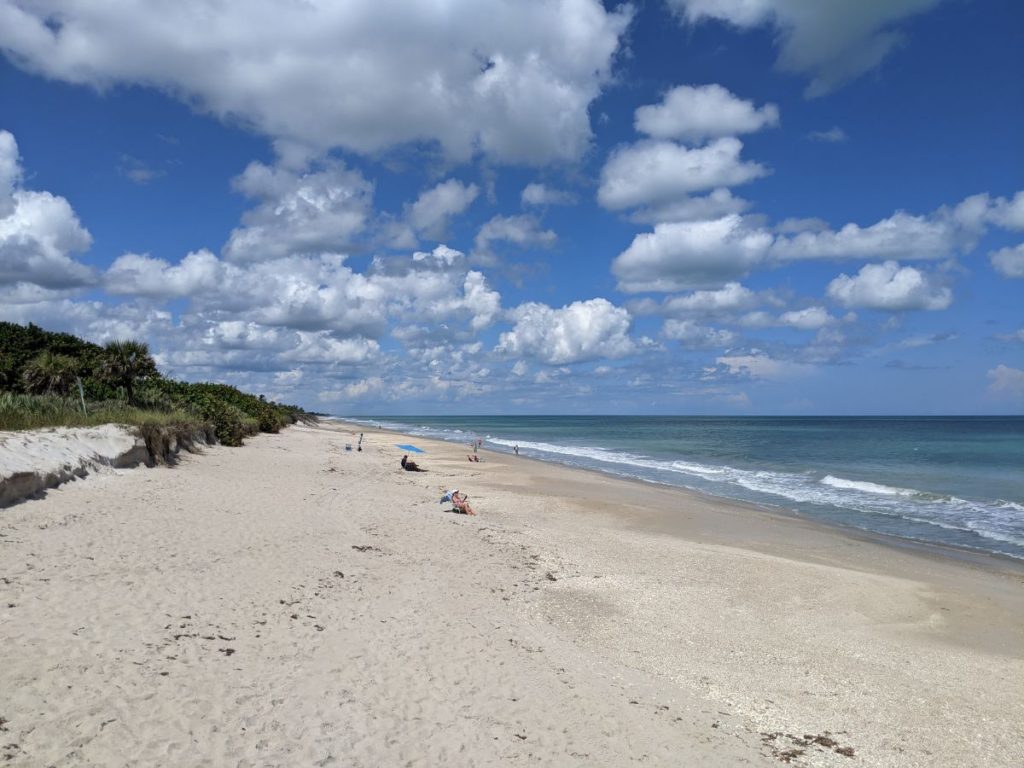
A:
[294, 604]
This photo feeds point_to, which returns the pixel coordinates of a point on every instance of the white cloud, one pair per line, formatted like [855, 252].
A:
[321, 347]
[890, 287]
[704, 253]
[522, 230]
[511, 80]
[583, 330]
[729, 298]
[692, 334]
[38, 231]
[720, 202]
[833, 135]
[759, 365]
[92, 320]
[355, 391]
[1006, 381]
[317, 293]
[686, 255]
[141, 275]
[1009, 262]
[1008, 214]
[541, 194]
[658, 172]
[10, 172]
[832, 42]
[809, 319]
[899, 236]
[695, 113]
[432, 209]
[299, 213]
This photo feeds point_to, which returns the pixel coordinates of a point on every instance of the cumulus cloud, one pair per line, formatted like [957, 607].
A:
[432, 209]
[317, 293]
[1008, 214]
[10, 172]
[692, 334]
[832, 42]
[731, 297]
[899, 236]
[522, 230]
[583, 330]
[1006, 381]
[809, 319]
[890, 287]
[38, 231]
[694, 113]
[93, 320]
[541, 194]
[1009, 262]
[299, 212]
[657, 172]
[320, 347]
[720, 202]
[135, 274]
[706, 253]
[511, 80]
[687, 255]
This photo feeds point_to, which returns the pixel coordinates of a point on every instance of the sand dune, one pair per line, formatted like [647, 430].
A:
[292, 603]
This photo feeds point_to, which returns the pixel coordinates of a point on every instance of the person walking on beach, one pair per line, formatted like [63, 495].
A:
[515, 450]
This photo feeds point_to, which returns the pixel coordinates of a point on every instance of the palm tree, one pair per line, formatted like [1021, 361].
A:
[125, 363]
[48, 373]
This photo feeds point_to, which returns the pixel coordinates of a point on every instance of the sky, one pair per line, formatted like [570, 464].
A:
[528, 206]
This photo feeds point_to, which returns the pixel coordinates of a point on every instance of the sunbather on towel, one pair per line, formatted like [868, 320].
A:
[460, 502]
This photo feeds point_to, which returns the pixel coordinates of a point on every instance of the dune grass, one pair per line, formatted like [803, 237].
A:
[18, 412]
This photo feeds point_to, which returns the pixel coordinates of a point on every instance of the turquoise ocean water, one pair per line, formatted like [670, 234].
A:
[946, 480]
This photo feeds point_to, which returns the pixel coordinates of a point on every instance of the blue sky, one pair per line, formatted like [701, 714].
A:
[516, 206]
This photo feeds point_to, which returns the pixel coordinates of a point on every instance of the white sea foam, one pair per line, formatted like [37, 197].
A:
[866, 487]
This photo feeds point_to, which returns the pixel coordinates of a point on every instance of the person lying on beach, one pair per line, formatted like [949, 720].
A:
[411, 466]
[459, 501]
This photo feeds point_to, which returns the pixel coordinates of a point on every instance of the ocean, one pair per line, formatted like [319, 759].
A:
[956, 481]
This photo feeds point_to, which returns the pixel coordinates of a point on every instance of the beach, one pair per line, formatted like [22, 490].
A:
[296, 603]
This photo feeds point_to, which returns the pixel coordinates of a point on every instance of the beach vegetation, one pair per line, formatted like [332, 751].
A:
[49, 373]
[125, 364]
[40, 371]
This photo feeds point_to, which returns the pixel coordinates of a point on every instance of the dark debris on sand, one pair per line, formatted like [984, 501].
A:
[797, 745]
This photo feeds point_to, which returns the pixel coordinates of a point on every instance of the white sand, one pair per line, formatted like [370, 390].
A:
[290, 603]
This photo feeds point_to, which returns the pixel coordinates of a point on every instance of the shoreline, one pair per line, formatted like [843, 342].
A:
[979, 557]
[294, 603]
